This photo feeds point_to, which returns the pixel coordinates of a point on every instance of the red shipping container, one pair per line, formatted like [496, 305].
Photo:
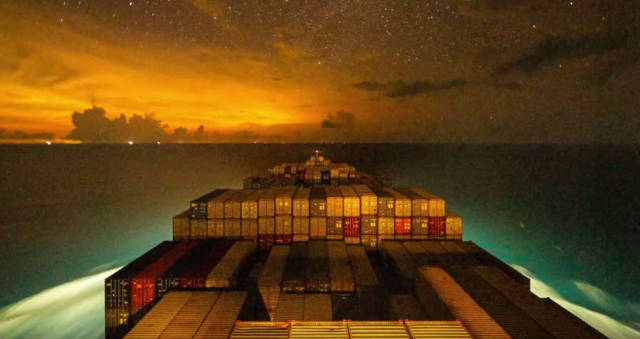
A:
[403, 225]
[284, 239]
[437, 227]
[195, 278]
[143, 285]
[351, 226]
[265, 241]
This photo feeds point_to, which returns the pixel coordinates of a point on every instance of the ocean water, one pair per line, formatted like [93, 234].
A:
[570, 215]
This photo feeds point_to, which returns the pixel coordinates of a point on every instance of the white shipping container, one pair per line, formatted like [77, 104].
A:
[301, 202]
[351, 201]
[335, 205]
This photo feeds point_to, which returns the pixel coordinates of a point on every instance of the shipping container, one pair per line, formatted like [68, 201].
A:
[300, 228]
[386, 202]
[403, 228]
[216, 205]
[143, 284]
[362, 270]
[200, 207]
[283, 239]
[152, 325]
[335, 207]
[351, 226]
[368, 200]
[249, 205]
[267, 225]
[340, 268]
[402, 204]
[473, 317]
[284, 201]
[249, 228]
[284, 225]
[117, 289]
[215, 228]
[181, 226]
[419, 204]
[488, 259]
[233, 205]
[351, 201]
[405, 306]
[220, 320]
[408, 329]
[172, 277]
[225, 273]
[395, 253]
[317, 307]
[195, 276]
[460, 256]
[318, 227]
[436, 204]
[434, 329]
[372, 329]
[186, 322]
[437, 228]
[453, 225]
[266, 202]
[271, 278]
[434, 306]
[233, 228]
[317, 202]
[369, 225]
[369, 242]
[559, 324]
[198, 229]
[420, 227]
[290, 307]
[437, 254]
[334, 227]
[293, 279]
[317, 270]
[301, 202]
[386, 225]
[513, 320]
[352, 240]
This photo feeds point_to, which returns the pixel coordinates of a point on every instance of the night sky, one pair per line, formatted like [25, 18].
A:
[457, 71]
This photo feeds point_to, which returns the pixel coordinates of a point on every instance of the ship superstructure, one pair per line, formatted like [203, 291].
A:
[319, 249]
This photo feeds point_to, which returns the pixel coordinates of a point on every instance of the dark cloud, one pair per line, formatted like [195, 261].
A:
[92, 125]
[551, 49]
[4, 134]
[401, 89]
[340, 119]
[371, 86]
[420, 87]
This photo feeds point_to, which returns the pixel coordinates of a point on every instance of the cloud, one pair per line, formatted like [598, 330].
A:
[398, 89]
[553, 48]
[71, 310]
[420, 87]
[610, 327]
[340, 119]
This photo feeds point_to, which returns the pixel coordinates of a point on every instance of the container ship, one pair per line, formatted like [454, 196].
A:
[320, 250]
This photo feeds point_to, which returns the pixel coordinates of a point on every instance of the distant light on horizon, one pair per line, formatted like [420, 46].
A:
[48, 142]
[130, 142]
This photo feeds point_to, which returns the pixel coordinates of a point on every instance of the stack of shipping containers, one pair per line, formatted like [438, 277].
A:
[233, 213]
[340, 270]
[143, 284]
[117, 288]
[335, 214]
[293, 279]
[437, 214]
[249, 224]
[225, 273]
[419, 213]
[181, 226]
[284, 220]
[200, 207]
[351, 210]
[267, 218]
[317, 274]
[318, 213]
[402, 219]
[369, 216]
[216, 214]
[386, 214]
[301, 214]
[453, 224]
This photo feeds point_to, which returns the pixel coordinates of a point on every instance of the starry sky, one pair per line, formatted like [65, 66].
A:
[445, 71]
